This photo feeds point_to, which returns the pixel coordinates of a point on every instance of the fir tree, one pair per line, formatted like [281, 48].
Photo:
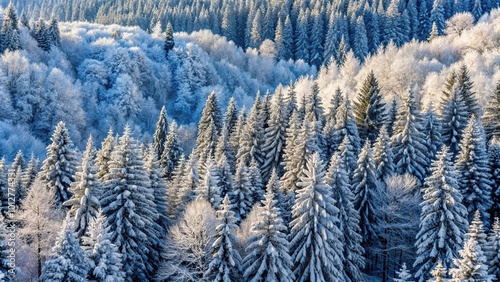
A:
[172, 153]
[59, 166]
[104, 155]
[434, 32]
[346, 128]
[169, 39]
[10, 30]
[67, 264]
[268, 256]
[53, 33]
[40, 33]
[131, 215]
[161, 132]
[157, 184]
[369, 109]
[225, 263]
[443, 220]
[382, 156]
[437, 16]
[29, 173]
[317, 250]
[432, 133]
[472, 265]
[331, 121]
[349, 218]
[408, 141]
[438, 273]
[231, 116]
[241, 194]
[492, 250]
[84, 202]
[474, 171]
[392, 117]
[403, 274]
[491, 119]
[465, 85]
[360, 44]
[302, 44]
[209, 187]
[208, 129]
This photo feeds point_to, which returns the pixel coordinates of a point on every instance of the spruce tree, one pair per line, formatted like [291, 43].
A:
[465, 85]
[474, 171]
[231, 116]
[408, 141]
[169, 39]
[433, 133]
[360, 44]
[10, 30]
[443, 220]
[130, 210]
[315, 237]
[241, 194]
[58, 168]
[172, 152]
[369, 109]
[104, 155]
[53, 33]
[40, 33]
[29, 173]
[403, 274]
[492, 250]
[437, 16]
[208, 129]
[472, 264]
[346, 128]
[351, 239]
[161, 132]
[67, 263]
[491, 119]
[438, 273]
[209, 188]
[382, 156]
[268, 256]
[84, 203]
[159, 187]
[392, 117]
[331, 121]
[225, 262]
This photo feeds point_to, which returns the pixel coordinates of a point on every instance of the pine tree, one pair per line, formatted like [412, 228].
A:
[443, 220]
[492, 250]
[40, 33]
[346, 128]
[268, 256]
[474, 171]
[408, 141]
[403, 274]
[67, 264]
[131, 215]
[491, 119]
[105, 262]
[209, 188]
[231, 116]
[302, 44]
[241, 194]
[317, 249]
[434, 32]
[161, 132]
[172, 152]
[438, 273]
[53, 33]
[382, 156]
[465, 89]
[59, 166]
[84, 203]
[10, 30]
[472, 265]
[29, 173]
[454, 114]
[432, 133]
[392, 117]
[169, 39]
[225, 263]
[360, 44]
[369, 109]
[338, 178]
[331, 122]
[104, 155]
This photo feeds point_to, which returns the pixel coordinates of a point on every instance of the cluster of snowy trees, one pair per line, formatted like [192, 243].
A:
[290, 190]
[314, 31]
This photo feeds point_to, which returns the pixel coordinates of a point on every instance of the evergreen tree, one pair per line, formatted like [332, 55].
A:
[208, 129]
[454, 115]
[368, 198]
[349, 219]
[346, 128]
[432, 133]
[465, 85]
[315, 237]
[105, 261]
[408, 141]
[494, 156]
[58, 168]
[472, 265]
[360, 44]
[443, 220]
[29, 173]
[382, 156]
[161, 132]
[302, 45]
[438, 273]
[437, 16]
[434, 32]
[473, 169]
[225, 263]
[392, 117]
[477, 10]
[10, 30]
[104, 155]
[172, 153]
[209, 188]
[231, 116]
[169, 39]
[85, 203]
[403, 274]
[275, 137]
[40, 33]
[241, 194]
[369, 109]
[317, 40]
[268, 256]
[131, 215]
[492, 250]
[331, 121]
[491, 119]
[67, 264]
[157, 184]
[53, 33]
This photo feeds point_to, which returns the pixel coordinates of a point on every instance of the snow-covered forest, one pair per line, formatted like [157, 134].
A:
[265, 141]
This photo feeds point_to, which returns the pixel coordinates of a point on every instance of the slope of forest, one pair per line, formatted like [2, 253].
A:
[380, 166]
